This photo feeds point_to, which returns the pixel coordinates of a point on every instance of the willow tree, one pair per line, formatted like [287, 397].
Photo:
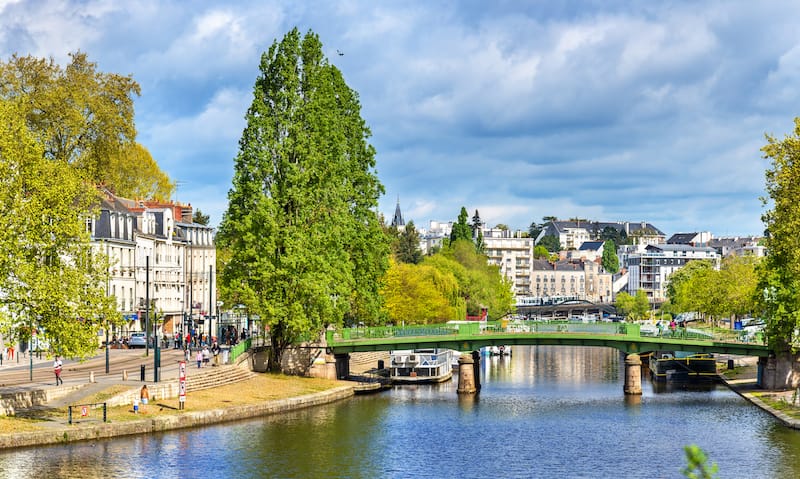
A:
[85, 118]
[780, 281]
[306, 246]
[51, 280]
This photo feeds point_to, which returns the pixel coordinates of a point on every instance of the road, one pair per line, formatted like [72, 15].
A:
[17, 371]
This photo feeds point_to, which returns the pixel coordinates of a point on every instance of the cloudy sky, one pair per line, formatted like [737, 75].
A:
[606, 110]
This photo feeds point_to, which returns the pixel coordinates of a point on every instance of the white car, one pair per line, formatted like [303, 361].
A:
[138, 340]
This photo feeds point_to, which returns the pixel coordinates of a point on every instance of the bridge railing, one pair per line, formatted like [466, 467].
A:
[470, 328]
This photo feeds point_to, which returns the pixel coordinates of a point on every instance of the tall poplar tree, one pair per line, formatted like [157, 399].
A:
[780, 281]
[306, 246]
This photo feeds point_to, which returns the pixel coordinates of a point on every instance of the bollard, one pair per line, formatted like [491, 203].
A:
[730, 364]
[124, 374]
[91, 376]
[142, 373]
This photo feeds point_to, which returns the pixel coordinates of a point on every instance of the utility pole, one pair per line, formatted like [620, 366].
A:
[210, 303]
[146, 305]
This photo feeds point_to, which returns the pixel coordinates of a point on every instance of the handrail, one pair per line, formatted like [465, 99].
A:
[471, 329]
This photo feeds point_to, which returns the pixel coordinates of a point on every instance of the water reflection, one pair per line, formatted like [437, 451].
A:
[548, 411]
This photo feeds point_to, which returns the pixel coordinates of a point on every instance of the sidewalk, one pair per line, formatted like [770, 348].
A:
[15, 378]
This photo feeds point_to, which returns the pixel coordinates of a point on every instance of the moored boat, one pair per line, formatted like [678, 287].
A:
[430, 365]
[683, 366]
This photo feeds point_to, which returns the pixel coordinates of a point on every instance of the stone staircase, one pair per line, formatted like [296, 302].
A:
[211, 377]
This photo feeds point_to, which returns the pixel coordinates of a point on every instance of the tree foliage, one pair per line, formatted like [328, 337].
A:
[461, 229]
[421, 294]
[133, 173]
[85, 118]
[715, 294]
[551, 243]
[307, 249]
[634, 307]
[540, 252]
[610, 259]
[52, 281]
[408, 245]
[200, 218]
[780, 278]
[481, 284]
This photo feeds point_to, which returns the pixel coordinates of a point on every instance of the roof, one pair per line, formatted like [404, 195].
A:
[591, 246]
[682, 238]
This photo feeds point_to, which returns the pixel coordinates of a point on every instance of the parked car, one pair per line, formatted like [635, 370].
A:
[138, 340]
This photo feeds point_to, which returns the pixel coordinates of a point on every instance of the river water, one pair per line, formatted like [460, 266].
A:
[550, 411]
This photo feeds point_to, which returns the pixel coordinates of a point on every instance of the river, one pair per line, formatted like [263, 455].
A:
[550, 411]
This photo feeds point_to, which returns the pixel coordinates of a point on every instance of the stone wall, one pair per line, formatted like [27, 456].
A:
[781, 371]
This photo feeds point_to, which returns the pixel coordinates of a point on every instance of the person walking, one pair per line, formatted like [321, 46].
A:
[206, 356]
[199, 358]
[57, 366]
[215, 352]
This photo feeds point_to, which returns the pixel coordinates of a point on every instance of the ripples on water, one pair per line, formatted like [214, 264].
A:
[547, 412]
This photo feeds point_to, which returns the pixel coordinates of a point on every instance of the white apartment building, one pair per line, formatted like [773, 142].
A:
[157, 253]
[649, 269]
[513, 254]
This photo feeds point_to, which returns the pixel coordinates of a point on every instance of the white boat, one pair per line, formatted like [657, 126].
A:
[502, 350]
[431, 365]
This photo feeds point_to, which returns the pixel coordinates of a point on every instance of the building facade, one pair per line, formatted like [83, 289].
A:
[650, 269]
[160, 258]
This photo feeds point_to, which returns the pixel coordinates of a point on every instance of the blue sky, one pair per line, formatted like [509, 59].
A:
[606, 110]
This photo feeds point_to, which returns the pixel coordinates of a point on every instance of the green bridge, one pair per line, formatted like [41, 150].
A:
[471, 336]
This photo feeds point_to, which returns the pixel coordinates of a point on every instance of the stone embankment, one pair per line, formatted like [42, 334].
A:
[745, 386]
[66, 433]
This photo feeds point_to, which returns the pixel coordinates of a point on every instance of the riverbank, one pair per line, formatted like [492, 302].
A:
[783, 405]
[260, 396]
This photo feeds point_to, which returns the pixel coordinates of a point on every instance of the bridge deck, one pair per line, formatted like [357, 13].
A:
[627, 337]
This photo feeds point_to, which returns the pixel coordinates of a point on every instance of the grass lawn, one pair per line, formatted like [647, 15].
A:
[263, 388]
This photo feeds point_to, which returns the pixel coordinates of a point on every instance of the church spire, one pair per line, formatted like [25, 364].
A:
[397, 220]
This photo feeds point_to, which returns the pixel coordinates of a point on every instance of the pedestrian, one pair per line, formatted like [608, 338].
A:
[206, 356]
[188, 353]
[672, 327]
[199, 359]
[144, 397]
[215, 352]
[57, 370]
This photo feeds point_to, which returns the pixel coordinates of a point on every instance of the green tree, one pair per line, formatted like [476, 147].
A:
[461, 229]
[610, 259]
[421, 294]
[540, 252]
[551, 243]
[480, 284]
[408, 245]
[780, 276]
[133, 173]
[199, 218]
[534, 229]
[51, 278]
[502, 226]
[307, 249]
[85, 118]
[633, 307]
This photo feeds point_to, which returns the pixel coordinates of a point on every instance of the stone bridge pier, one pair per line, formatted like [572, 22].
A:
[633, 375]
[469, 370]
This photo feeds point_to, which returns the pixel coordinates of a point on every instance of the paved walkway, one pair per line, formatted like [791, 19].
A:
[15, 376]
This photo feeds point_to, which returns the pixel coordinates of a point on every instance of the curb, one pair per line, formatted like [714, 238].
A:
[779, 415]
[67, 434]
